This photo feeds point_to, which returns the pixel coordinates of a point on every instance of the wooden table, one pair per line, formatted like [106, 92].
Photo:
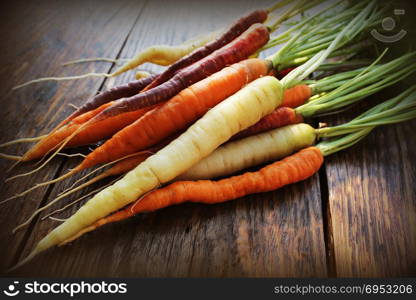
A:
[356, 217]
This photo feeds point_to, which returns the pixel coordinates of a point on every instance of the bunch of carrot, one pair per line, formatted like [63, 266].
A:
[215, 112]
[341, 90]
[296, 167]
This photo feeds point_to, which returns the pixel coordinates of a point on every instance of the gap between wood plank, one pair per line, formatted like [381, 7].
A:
[122, 46]
[327, 222]
[50, 188]
[32, 223]
[326, 217]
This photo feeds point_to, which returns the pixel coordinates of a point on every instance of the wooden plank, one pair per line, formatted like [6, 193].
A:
[372, 205]
[49, 36]
[273, 234]
[371, 202]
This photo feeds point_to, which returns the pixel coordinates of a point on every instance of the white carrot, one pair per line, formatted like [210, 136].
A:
[251, 151]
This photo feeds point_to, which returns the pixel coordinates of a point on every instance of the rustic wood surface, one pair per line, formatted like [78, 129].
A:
[356, 217]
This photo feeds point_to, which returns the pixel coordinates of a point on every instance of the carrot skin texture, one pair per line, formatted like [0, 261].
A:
[88, 115]
[280, 117]
[240, 48]
[294, 168]
[296, 96]
[106, 128]
[178, 113]
[237, 28]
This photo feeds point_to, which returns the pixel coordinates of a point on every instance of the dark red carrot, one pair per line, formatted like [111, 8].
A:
[280, 117]
[284, 72]
[235, 30]
[240, 48]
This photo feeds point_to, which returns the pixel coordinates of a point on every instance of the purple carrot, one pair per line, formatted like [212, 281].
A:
[235, 30]
[121, 91]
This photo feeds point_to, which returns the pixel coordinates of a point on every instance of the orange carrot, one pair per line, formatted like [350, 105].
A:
[296, 95]
[88, 110]
[56, 136]
[122, 91]
[84, 117]
[291, 169]
[87, 135]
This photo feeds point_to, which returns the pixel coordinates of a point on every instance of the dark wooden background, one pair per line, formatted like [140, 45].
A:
[357, 217]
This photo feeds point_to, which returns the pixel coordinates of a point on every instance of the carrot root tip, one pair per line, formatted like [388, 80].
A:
[73, 106]
[10, 157]
[25, 260]
[55, 219]
[13, 166]
[22, 140]
[95, 59]
[60, 79]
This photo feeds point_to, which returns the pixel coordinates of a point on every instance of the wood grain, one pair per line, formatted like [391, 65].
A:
[357, 217]
[273, 234]
[49, 35]
[371, 191]
[372, 205]
[265, 235]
